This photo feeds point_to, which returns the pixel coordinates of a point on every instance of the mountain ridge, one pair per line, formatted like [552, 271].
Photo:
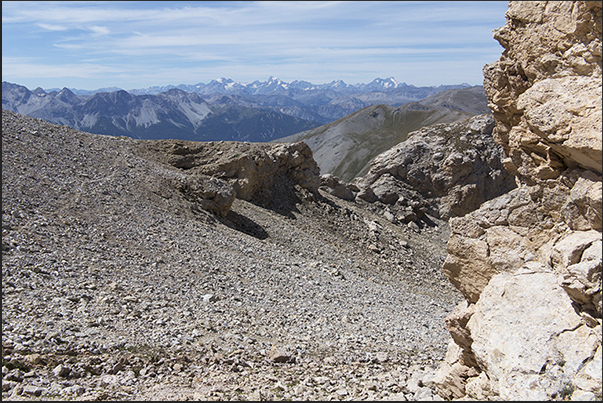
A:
[222, 110]
[345, 147]
[170, 114]
[229, 85]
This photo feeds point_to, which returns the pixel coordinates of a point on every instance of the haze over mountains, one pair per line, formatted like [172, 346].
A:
[220, 110]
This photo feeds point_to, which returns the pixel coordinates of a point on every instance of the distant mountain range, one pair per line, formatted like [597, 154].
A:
[322, 103]
[220, 110]
[174, 114]
[274, 85]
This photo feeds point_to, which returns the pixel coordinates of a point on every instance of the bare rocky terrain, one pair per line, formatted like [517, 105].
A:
[118, 285]
[175, 270]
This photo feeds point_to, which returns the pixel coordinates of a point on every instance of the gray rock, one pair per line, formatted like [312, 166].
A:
[450, 169]
[32, 390]
[61, 371]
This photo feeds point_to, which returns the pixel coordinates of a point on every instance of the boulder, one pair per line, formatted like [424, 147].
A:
[332, 185]
[208, 193]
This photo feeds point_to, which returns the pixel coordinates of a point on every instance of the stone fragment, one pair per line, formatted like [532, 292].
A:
[279, 355]
[334, 186]
[61, 371]
[569, 250]
[74, 390]
[32, 359]
[209, 298]
[32, 390]
[8, 385]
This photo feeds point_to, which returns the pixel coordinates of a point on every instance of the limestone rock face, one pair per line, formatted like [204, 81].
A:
[545, 90]
[208, 193]
[446, 170]
[264, 173]
[529, 262]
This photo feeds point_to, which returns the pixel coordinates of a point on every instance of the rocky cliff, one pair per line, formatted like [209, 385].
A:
[444, 170]
[529, 262]
[217, 172]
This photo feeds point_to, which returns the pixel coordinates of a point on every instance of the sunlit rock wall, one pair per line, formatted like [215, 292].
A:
[529, 262]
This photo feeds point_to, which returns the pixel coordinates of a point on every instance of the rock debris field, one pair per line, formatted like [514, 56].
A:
[115, 286]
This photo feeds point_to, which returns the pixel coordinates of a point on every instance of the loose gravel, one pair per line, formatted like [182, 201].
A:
[114, 287]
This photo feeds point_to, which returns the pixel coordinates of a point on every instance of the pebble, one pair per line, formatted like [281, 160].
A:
[61, 371]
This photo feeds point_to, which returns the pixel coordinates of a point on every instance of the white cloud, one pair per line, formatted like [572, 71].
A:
[51, 27]
[323, 40]
[69, 46]
[98, 31]
[17, 68]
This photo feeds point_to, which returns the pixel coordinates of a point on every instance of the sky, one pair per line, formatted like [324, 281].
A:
[139, 44]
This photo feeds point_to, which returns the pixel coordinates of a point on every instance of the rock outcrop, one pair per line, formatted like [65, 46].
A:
[444, 170]
[529, 262]
[344, 148]
[208, 193]
[217, 172]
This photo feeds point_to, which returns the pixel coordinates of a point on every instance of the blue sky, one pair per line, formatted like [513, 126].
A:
[138, 44]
